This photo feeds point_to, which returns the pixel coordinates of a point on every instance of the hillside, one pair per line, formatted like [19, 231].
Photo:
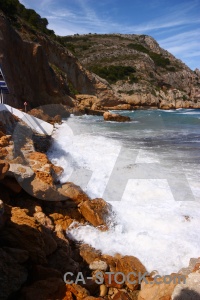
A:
[37, 67]
[109, 71]
[138, 69]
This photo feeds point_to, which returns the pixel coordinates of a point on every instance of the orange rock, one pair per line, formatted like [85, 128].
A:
[96, 211]
[128, 264]
[73, 192]
[68, 296]
[112, 279]
[39, 157]
[4, 140]
[121, 296]
[1, 134]
[115, 117]
[88, 253]
[78, 291]
[3, 152]
[45, 177]
[156, 291]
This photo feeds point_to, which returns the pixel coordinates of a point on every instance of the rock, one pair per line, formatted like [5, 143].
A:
[93, 298]
[4, 140]
[189, 290]
[115, 117]
[52, 288]
[78, 291]
[44, 220]
[12, 184]
[96, 211]
[1, 214]
[61, 220]
[157, 290]
[98, 265]
[61, 261]
[73, 192]
[4, 167]
[39, 272]
[12, 276]
[24, 232]
[89, 254]
[127, 264]
[121, 296]
[19, 255]
[192, 264]
[86, 100]
[112, 279]
[103, 290]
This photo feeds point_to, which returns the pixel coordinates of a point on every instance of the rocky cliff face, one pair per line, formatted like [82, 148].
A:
[40, 71]
[157, 78]
[126, 71]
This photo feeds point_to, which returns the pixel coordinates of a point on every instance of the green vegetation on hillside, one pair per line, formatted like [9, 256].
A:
[13, 9]
[158, 59]
[114, 73]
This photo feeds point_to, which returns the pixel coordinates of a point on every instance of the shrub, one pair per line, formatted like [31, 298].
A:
[113, 73]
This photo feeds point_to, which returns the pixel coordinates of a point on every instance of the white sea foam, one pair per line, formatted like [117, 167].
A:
[149, 223]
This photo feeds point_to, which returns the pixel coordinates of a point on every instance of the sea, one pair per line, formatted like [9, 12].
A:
[148, 169]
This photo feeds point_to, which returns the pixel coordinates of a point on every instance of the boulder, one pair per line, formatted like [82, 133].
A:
[24, 232]
[12, 276]
[96, 211]
[73, 192]
[128, 264]
[112, 279]
[188, 290]
[39, 272]
[61, 261]
[98, 265]
[115, 117]
[157, 290]
[78, 291]
[51, 288]
[89, 254]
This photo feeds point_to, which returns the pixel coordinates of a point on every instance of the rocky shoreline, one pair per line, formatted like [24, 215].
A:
[35, 250]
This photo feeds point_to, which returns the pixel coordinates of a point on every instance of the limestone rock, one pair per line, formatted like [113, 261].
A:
[188, 290]
[78, 291]
[115, 117]
[73, 192]
[96, 211]
[157, 291]
[127, 264]
[98, 265]
[88, 253]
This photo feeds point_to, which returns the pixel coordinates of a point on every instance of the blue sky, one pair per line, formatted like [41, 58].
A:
[175, 24]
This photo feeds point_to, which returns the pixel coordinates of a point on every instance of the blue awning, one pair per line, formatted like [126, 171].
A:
[3, 86]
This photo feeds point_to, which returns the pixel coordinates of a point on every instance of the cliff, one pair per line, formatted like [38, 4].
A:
[41, 71]
[138, 69]
[108, 71]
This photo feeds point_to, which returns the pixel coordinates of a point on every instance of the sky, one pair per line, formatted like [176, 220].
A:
[175, 24]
